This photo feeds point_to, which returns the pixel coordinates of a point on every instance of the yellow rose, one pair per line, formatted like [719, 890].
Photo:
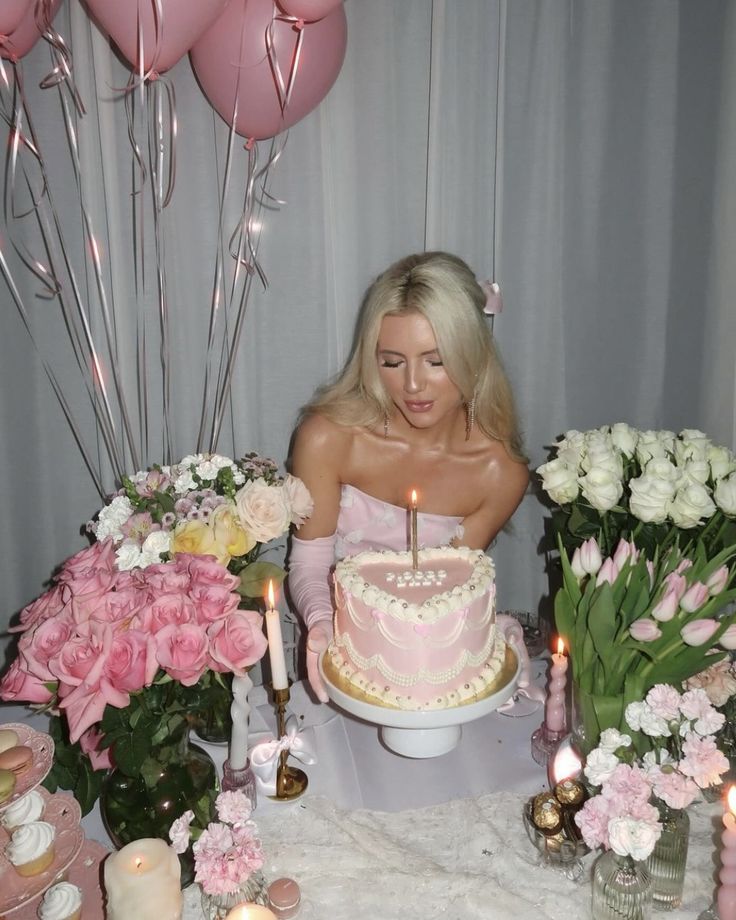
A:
[194, 537]
[229, 533]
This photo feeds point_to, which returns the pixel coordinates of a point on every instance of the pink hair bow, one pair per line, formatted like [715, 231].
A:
[494, 300]
[264, 756]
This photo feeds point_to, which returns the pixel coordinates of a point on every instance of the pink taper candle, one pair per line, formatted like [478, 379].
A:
[726, 899]
[554, 714]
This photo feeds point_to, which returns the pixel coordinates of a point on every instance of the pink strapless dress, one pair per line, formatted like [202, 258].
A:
[368, 523]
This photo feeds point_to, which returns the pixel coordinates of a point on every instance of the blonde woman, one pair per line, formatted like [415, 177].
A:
[423, 403]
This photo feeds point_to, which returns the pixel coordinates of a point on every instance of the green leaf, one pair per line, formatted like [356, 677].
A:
[602, 625]
[255, 577]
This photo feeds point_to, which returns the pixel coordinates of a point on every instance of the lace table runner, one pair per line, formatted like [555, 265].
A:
[469, 859]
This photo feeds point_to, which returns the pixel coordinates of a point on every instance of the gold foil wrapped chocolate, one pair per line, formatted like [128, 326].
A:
[547, 813]
[570, 792]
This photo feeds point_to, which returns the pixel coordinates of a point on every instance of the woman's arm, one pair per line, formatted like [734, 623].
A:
[318, 448]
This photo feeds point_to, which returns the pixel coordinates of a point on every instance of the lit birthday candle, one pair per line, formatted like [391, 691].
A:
[555, 709]
[250, 912]
[726, 898]
[414, 533]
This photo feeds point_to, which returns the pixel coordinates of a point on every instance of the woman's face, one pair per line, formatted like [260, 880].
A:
[412, 372]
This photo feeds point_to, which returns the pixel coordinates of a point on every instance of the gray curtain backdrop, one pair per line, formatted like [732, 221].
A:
[593, 140]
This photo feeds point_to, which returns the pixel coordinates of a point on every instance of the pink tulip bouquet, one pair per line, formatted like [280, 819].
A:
[632, 622]
[144, 628]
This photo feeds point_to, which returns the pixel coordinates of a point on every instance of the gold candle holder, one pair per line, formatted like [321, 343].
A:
[291, 782]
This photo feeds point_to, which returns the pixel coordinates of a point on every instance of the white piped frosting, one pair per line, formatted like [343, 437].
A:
[29, 842]
[60, 902]
[23, 811]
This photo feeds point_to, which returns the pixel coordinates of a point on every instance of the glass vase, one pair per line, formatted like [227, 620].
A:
[666, 865]
[212, 721]
[176, 776]
[622, 888]
[253, 890]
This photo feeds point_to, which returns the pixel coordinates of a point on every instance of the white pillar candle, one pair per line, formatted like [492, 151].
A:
[240, 711]
[250, 912]
[279, 677]
[143, 880]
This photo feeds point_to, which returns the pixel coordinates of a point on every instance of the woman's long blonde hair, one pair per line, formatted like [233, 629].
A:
[443, 289]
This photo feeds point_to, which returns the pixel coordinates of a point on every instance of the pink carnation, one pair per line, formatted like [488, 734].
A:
[703, 761]
[233, 807]
[592, 819]
[179, 832]
[673, 788]
[664, 701]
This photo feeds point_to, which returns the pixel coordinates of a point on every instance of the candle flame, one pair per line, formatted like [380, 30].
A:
[138, 862]
[566, 765]
[732, 799]
[413, 498]
[271, 600]
[560, 646]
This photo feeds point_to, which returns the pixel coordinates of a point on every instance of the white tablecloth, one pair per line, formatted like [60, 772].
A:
[382, 836]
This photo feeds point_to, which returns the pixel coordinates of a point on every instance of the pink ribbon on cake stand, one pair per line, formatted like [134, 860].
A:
[264, 756]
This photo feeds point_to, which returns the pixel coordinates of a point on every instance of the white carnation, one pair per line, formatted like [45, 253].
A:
[599, 766]
[184, 483]
[653, 725]
[633, 715]
[207, 470]
[612, 739]
[154, 546]
[630, 837]
[112, 517]
[191, 460]
[128, 556]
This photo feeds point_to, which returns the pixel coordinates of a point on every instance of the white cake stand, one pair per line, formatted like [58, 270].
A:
[422, 734]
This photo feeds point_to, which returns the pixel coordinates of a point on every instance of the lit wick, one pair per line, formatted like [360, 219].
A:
[414, 540]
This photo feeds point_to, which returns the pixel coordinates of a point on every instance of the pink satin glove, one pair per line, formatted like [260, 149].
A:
[318, 638]
[513, 633]
[310, 568]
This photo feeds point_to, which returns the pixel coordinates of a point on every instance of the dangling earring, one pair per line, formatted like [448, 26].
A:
[469, 417]
[385, 424]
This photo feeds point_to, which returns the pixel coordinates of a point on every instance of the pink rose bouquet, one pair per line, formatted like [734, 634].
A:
[227, 852]
[144, 629]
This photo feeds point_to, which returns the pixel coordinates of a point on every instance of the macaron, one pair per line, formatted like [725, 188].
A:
[8, 739]
[7, 784]
[284, 898]
[18, 759]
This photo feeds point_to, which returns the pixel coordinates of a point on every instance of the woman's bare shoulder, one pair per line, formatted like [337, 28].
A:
[316, 433]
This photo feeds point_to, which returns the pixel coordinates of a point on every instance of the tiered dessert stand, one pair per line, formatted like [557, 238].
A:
[76, 859]
[421, 734]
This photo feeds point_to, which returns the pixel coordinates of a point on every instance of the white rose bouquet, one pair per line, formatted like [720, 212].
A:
[655, 486]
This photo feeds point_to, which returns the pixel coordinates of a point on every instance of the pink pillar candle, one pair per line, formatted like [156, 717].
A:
[726, 898]
[554, 713]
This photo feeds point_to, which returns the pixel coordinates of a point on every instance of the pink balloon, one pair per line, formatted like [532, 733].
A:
[11, 14]
[182, 22]
[232, 65]
[22, 39]
[309, 10]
